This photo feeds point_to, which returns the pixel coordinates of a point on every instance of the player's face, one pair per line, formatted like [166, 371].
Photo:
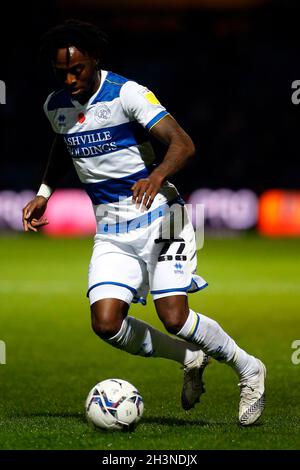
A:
[78, 73]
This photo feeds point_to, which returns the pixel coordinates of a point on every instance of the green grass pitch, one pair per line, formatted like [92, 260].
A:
[54, 358]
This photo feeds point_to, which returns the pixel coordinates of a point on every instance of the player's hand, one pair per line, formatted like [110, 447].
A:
[145, 190]
[33, 214]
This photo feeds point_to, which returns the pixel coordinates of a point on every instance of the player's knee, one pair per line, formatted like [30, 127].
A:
[107, 317]
[102, 329]
[174, 323]
[106, 322]
[172, 313]
[173, 319]
[105, 328]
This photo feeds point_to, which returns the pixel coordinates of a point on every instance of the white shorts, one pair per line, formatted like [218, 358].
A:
[159, 257]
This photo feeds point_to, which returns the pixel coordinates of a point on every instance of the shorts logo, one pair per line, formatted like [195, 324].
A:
[102, 113]
[178, 268]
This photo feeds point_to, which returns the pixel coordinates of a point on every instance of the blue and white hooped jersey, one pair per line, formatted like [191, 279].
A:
[107, 139]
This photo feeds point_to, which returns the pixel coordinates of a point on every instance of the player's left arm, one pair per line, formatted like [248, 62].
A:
[180, 150]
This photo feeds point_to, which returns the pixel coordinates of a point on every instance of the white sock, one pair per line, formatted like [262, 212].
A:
[138, 337]
[213, 340]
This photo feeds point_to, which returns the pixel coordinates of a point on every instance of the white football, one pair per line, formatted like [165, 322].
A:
[114, 404]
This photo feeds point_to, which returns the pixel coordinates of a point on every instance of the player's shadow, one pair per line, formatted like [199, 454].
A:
[160, 420]
[146, 419]
[182, 422]
[173, 421]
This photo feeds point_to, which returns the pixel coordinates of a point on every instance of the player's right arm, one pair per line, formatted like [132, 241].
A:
[58, 164]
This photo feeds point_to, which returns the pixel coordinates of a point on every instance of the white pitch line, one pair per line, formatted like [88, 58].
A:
[279, 287]
[40, 287]
[66, 287]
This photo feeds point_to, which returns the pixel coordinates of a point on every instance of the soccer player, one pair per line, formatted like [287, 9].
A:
[144, 239]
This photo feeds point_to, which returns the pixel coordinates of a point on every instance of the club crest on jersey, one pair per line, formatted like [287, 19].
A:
[102, 113]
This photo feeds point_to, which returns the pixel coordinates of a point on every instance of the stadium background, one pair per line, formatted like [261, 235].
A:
[225, 70]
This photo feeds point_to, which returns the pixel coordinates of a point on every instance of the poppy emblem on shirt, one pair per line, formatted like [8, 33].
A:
[81, 118]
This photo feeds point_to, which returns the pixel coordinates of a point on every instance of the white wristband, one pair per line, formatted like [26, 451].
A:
[45, 191]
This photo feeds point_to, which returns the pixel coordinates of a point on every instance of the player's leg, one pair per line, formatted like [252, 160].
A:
[110, 321]
[193, 385]
[115, 275]
[171, 258]
[180, 320]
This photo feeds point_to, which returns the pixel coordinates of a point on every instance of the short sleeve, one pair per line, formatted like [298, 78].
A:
[141, 104]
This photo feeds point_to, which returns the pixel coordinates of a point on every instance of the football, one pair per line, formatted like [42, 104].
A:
[114, 404]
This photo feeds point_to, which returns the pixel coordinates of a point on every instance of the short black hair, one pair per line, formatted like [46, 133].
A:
[86, 37]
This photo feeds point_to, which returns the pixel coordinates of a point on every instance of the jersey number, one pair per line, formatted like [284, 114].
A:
[163, 256]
